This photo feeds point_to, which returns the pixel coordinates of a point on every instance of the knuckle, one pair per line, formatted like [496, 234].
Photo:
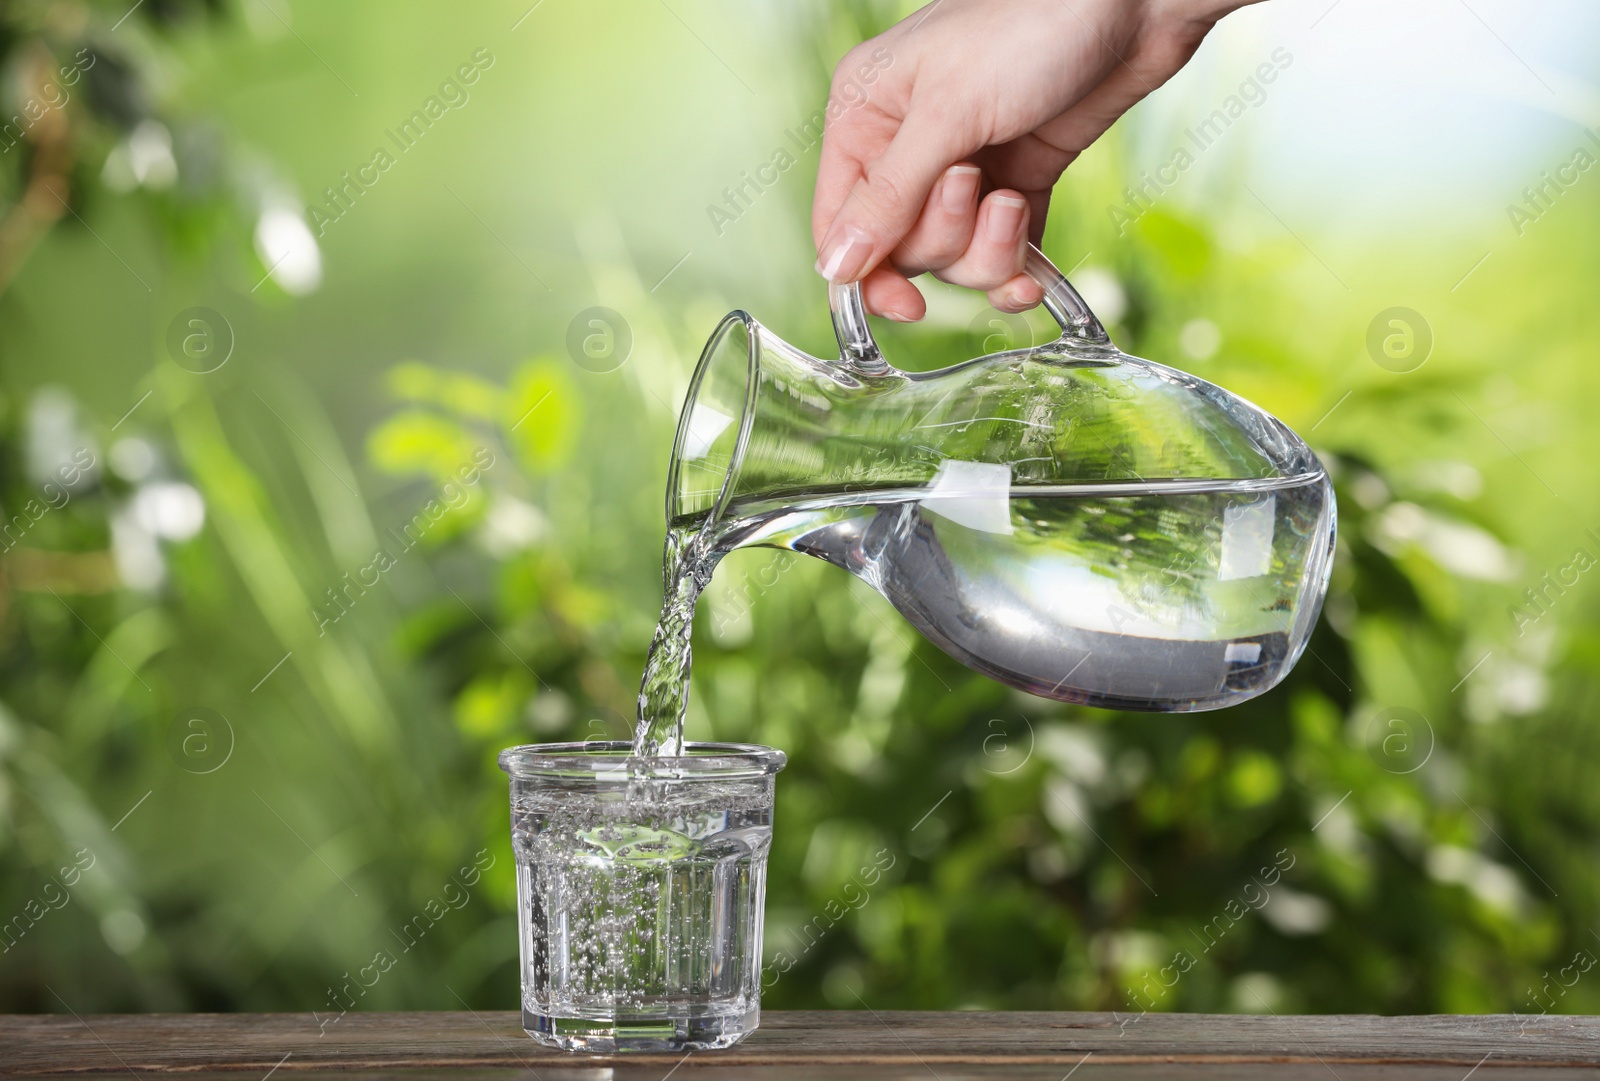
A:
[987, 274]
[854, 58]
[931, 252]
[959, 273]
[847, 64]
[887, 187]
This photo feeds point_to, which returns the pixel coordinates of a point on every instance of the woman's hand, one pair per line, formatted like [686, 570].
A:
[979, 106]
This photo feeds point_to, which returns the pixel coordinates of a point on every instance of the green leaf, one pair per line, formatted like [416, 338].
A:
[543, 415]
[414, 441]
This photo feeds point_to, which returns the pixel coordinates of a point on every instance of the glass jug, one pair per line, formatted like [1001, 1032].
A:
[1067, 519]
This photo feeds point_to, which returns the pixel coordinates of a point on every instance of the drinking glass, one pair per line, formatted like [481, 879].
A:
[640, 891]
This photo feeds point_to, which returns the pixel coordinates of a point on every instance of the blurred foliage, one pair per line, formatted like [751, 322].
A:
[254, 675]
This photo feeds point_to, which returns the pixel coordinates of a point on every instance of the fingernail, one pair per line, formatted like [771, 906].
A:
[898, 318]
[1005, 218]
[843, 259]
[960, 185]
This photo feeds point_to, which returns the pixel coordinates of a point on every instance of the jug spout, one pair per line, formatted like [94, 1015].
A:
[766, 421]
[714, 424]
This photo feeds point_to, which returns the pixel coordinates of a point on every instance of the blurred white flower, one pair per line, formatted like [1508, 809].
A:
[1455, 478]
[549, 712]
[1456, 546]
[1369, 490]
[132, 458]
[1257, 992]
[136, 553]
[170, 510]
[123, 930]
[150, 155]
[143, 158]
[1125, 950]
[1519, 688]
[1048, 863]
[512, 526]
[1338, 827]
[1511, 680]
[1100, 290]
[1074, 750]
[1492, 883]
[1295, 913]
[287, 249]
[1065, 806]
[1131, 768]
[1402, 522]
[55, 440]
[1200, 339]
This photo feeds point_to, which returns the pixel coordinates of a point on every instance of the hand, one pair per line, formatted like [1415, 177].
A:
[975, 110]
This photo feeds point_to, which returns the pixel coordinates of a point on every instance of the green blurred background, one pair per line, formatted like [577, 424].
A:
[221, 392]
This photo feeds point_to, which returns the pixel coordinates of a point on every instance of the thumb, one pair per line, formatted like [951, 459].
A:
[886, 201]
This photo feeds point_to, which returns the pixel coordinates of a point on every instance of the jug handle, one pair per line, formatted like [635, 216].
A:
[859, 352]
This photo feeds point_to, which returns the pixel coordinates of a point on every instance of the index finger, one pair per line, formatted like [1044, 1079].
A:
[849, 142]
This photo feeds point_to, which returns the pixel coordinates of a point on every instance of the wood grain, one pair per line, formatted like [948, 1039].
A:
[844, 1045]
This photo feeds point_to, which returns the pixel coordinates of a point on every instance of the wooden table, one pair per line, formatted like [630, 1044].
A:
[843, 1045]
